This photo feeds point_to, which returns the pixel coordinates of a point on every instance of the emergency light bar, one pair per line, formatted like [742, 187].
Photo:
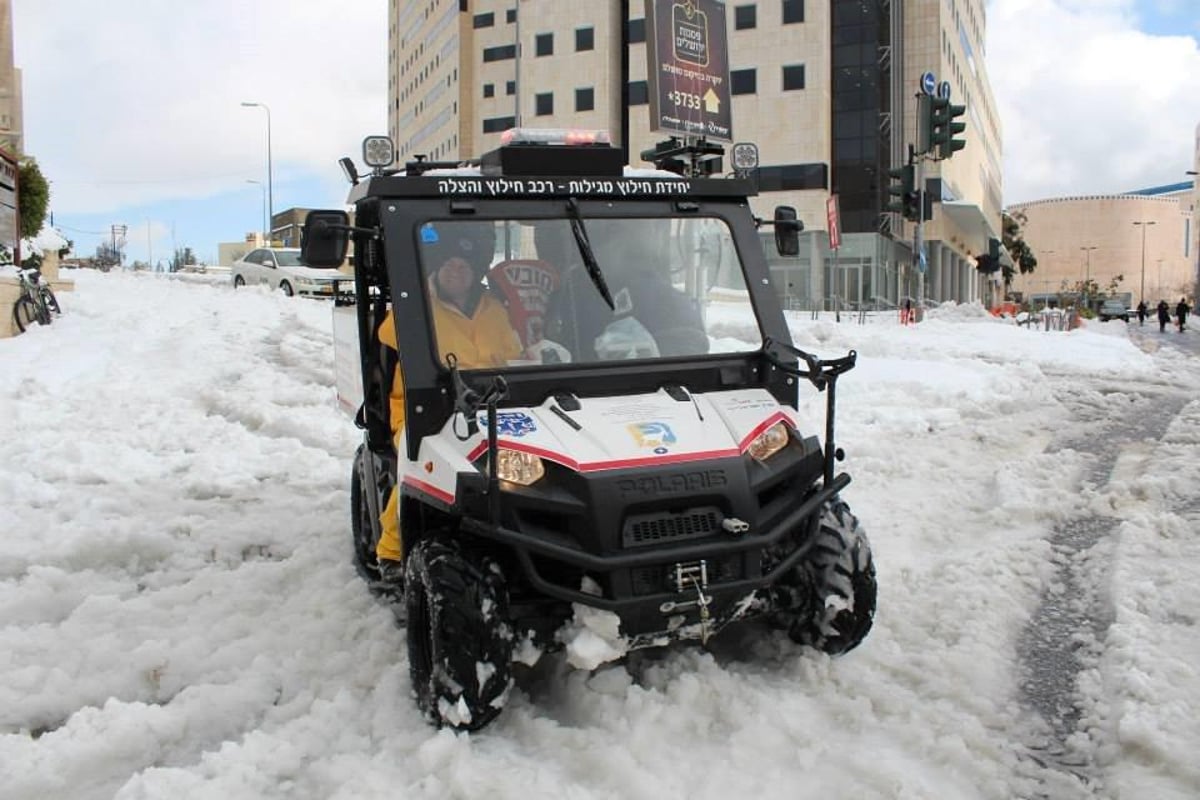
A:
[569, 137]
[554, 152]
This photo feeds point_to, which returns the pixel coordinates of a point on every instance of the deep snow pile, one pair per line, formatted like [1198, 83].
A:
[179, 617]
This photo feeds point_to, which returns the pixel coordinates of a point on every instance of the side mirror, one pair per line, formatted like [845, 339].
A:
[787, 231]
[325, 239]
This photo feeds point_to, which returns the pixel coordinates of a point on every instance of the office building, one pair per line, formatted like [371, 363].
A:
[825, 90]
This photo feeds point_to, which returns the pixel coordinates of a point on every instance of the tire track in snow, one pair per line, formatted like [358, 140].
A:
[1066, 635]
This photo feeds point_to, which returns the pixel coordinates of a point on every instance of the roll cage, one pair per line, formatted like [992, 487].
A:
[391, 211]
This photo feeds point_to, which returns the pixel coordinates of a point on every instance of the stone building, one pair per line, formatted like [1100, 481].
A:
[11, 125]
[1146, 237]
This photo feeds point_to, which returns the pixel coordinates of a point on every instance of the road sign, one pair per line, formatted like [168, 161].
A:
[833, 220]
[687, 64]
[944, 90]
[928, 83]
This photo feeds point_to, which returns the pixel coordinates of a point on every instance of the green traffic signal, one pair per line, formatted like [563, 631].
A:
[944, 127]
[952, 144]
[903, 181]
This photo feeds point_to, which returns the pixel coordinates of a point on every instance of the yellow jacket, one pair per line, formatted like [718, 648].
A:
[485, 339]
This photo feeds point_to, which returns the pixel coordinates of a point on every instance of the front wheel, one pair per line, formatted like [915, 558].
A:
[287, 289]
[238, 281]
[836, 614]
[459, 636]
[25, 313]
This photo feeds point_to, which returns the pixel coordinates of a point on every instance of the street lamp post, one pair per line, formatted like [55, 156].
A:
[264, 196]
[1144, 225]
[1087, 283]
[270, 186]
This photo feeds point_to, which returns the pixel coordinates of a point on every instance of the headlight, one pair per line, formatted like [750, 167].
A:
[769, 442]
[519, 467]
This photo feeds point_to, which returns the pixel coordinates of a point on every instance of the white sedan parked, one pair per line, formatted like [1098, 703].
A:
[280, 268]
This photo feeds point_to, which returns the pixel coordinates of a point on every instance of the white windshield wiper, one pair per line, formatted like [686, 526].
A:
[585, 250]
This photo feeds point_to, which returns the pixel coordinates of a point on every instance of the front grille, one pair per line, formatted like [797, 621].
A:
[641, 530]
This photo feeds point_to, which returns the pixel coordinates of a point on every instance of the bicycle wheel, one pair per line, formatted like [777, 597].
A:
[25, 313]
[50, 300]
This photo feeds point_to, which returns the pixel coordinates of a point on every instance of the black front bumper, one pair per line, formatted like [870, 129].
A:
[634, 549]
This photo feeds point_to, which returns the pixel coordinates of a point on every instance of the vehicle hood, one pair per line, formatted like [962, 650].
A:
[636, 431]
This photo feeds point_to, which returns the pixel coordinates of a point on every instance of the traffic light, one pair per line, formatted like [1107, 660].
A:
[944, 128]
[902, 192]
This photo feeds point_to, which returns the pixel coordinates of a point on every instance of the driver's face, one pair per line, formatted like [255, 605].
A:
[455, 279]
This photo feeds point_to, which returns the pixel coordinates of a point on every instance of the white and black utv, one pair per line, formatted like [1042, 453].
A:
[641, 461]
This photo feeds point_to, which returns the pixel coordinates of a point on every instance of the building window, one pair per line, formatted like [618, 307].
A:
[485, 20]
[745, 17]
[585, 39]
[510, 16]
[637, 30]
[793, 77]
[638, 93]
[498, 124]
[543, 104]
[585, 99]
[489, 90]
[544, 44]
[743, 81]
[510, 88]
[783, 177]
[501, 52]
[793, 11]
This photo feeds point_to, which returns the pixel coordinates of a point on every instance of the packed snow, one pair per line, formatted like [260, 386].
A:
[179, 616]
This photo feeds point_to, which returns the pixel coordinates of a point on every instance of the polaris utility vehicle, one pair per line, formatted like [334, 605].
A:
[638, 474]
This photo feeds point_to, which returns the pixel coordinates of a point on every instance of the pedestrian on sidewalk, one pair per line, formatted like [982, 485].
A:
[1142, 312]
[1164, 315]
[1181, 312]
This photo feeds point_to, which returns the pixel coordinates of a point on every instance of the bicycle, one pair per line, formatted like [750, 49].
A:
[37, 302]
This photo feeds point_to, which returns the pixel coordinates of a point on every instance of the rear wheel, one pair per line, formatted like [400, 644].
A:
[25, 313]
[836, 607]
[459, 636]
[50, 300]
[286, 288]
[362, 526]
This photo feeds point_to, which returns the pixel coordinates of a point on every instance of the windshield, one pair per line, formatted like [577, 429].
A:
[288, 258]
[521, 293]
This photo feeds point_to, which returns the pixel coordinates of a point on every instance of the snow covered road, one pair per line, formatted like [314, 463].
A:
[179, 616]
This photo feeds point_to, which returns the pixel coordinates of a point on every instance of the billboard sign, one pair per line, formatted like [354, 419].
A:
[687, 66]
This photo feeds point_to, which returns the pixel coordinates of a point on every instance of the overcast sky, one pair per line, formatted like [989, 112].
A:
[132, 107]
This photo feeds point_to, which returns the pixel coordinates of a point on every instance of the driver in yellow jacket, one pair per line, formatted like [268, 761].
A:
[468, 322]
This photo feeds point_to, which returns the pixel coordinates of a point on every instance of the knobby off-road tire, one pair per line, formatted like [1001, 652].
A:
[459, 635]
[839, 608]
[26, 311]
[361, 524]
